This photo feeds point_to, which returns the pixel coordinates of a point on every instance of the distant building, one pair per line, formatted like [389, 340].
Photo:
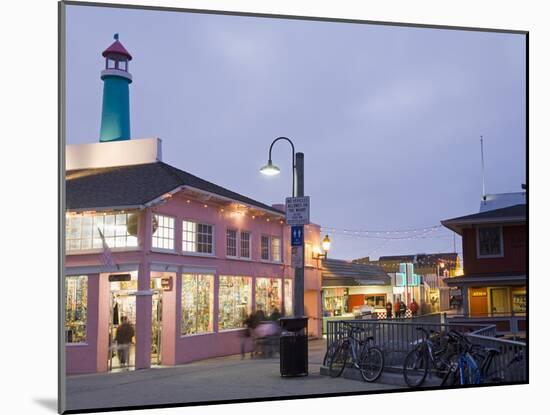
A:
[432, 268]
[494, 245]
[347, 285]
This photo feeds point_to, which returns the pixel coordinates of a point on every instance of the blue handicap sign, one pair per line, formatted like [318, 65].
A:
[297, 235]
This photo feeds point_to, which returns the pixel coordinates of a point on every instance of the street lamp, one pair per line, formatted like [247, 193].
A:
[293, 349]
[325, 245]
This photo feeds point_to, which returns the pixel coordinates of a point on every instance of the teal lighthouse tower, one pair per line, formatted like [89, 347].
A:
[115, 113]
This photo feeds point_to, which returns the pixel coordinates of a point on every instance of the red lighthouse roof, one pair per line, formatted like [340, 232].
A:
[117, 48]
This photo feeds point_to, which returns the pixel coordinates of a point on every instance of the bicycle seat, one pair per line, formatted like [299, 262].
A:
[491, 350]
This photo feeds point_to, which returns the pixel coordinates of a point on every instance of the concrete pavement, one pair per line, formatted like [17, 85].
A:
[223, 378]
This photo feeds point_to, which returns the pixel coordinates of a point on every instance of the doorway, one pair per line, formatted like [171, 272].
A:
[500, 301]
[122, 323]
[156, 328]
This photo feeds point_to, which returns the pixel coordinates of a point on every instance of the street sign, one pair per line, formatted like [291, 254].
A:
[297, 257]
[297, 210]
[297, 235]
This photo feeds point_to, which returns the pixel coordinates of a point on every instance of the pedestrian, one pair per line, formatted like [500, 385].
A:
[413, 306]
[397, 308]
[123, 338]
[275, 315]
[402, 308]
[389, 308]
[246, 334]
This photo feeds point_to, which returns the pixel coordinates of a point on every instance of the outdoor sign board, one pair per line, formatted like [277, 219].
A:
[297, 235]
[297, 210]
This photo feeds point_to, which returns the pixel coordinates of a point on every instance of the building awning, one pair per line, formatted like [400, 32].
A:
[340, 273]
[481, 280]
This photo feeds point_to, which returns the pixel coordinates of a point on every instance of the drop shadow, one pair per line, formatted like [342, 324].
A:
[48, 403]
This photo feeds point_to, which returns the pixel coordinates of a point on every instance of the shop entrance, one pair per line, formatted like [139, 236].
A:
[156, 328]
[500, 301]
[122, 324]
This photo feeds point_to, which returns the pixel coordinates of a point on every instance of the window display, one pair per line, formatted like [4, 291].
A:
[119, 230]
[376, 300]
[235, 301]
[519, 301]
[163, 235]
[335, 301]
[76, 304]
[288, 298]
[268, 295]
[197, 303]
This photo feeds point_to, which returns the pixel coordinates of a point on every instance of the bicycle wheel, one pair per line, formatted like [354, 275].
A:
[371, 364]
[338, 361]
[330, 352]
[452, 374]
[415, 368]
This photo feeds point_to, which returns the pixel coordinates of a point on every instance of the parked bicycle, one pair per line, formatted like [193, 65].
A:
[472, 365]
[434, 353]
[365, 357]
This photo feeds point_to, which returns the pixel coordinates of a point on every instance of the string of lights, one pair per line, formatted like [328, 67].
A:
[409, 234]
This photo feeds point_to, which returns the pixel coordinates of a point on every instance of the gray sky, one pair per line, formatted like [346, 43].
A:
[389, 118]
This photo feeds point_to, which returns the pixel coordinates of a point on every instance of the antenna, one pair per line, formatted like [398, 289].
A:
[484, 197]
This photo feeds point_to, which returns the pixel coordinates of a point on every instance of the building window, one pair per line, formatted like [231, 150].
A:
[163, 232]
[83, 231]
[276, 249]
[197, 303]
[264, 247]
[235, 300]
[268, 295]
[245, 244]
[376, 300]
[197, 237]
[308, 255]
[288, 297]
[231, 242]
[76, 307]
[489, 240]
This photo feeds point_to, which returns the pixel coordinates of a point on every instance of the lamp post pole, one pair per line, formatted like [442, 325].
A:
[299, 271]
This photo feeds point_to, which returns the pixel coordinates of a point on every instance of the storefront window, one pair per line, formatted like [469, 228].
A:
[268, 295]
[119, 230]
[519, 301]
[235, 299]
[335, 301]
[76, 304]
[197, 302]
[375, 300]
[288, 298]
[163, 232]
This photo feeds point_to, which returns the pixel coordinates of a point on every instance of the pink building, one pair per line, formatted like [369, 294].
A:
[189, 260]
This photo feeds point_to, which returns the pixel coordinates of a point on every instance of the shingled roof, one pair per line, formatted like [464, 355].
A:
[340, 273]
[510, 214]
[137, 185]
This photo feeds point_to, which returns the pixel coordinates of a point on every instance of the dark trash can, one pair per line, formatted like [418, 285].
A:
[293, 346]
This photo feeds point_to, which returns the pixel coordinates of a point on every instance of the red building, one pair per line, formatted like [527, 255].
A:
[494, 245]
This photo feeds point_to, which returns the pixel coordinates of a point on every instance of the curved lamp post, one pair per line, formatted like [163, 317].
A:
[297, 191]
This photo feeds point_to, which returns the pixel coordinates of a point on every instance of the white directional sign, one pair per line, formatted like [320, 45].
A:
[297, 210]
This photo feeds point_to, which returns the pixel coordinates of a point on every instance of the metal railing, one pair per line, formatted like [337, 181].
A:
[397, 338]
